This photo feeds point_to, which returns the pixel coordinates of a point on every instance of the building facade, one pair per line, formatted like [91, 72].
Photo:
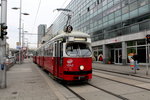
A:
[41, 32]
[117, 27]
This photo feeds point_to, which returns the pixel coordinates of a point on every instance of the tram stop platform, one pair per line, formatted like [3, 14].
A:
[27, 82]
[143, 72]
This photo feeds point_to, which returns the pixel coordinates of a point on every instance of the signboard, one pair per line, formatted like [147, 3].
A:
[18, 45]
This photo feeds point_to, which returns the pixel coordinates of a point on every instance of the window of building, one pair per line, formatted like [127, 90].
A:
[143, 2]
[100, 26]
[105, 24]
[125, 17]
[141, 42]
[118, 19]
[116, 1]
[133, 6]
[135, 28]
[130, 1]
[111, 16]
[125, 3]
[125, 10]
[126, 30]
[144, 26]
[134, 13]
[105, 7]
[144, 9]
[104, 2]
[111, 22]
[110, 4]
[105, 19]
[131, 43]
[141, 52]
[117, 13]
[100, 21]
[109, 1]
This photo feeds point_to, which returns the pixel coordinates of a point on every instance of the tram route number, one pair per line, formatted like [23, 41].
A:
[70, 65]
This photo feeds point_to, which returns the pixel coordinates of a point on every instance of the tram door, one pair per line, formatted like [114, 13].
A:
[58, 58]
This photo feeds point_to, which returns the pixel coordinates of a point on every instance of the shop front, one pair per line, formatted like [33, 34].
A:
[117, 53]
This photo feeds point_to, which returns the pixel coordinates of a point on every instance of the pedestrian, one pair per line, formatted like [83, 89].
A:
[136, 61]
[100, 58]
[131, 63]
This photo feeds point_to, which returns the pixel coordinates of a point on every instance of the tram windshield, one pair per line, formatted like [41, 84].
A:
[78, 49]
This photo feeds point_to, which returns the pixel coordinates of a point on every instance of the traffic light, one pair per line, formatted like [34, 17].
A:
[3, 30]
[148, 38]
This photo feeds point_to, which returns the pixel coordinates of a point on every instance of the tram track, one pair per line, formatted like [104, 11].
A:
[116, 72]
[94, 86]
[116, 95]
[125, 76]
[139, 84]
[79, 96]
[75, 89]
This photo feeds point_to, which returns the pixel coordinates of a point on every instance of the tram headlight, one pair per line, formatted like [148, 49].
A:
[81, 67]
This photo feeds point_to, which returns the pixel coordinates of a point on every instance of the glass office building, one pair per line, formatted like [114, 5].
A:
[117, 27]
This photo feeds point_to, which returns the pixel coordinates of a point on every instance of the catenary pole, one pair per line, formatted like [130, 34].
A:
[3, 46]
[20, 31]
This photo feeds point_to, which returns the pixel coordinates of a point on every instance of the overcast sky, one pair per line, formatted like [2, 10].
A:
[45, 16]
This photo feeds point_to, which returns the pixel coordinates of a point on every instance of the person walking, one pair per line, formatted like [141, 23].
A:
[100, 58]
[136, 61]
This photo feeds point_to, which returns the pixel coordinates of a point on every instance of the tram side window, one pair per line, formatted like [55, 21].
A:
[61, 49]
[47, 51]
[44, 51]
[51, 50]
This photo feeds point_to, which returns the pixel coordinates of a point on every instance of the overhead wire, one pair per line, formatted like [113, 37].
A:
[59, 13]
[36, 14]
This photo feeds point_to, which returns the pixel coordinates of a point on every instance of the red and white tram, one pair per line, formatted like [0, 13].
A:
[67, 56]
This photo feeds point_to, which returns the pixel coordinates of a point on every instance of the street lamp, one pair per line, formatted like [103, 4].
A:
[20, 8]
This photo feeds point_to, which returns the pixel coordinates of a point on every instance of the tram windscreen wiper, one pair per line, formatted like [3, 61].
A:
[86, 53]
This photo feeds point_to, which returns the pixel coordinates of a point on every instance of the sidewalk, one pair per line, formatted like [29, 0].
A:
[123, 69]
[24, 82]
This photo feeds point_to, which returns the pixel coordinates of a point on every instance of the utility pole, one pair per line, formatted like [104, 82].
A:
[3, 43]
[22, 57]
[20, 31]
